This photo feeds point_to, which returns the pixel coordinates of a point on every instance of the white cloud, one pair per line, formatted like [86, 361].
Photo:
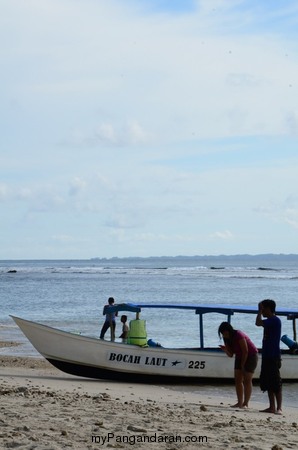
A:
[77, 185]
[64, 238]
[3, 192]
[293, 222]
[222, 235]
[106, 132]
[190, 75]
[148, 126]
[132, 133]
[291, 122]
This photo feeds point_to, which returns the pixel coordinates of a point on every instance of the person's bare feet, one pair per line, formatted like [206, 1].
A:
[268, 410]
[279, 412]
[237, 405]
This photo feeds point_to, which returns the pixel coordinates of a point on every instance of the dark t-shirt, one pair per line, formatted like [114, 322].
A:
[271, 339]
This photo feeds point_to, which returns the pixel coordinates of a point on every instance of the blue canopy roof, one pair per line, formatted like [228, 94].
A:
[129, 307]
[200, 308]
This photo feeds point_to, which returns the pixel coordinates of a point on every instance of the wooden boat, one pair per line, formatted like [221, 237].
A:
[101, 359]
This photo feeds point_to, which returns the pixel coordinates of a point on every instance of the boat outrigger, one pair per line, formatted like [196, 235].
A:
[139, 360]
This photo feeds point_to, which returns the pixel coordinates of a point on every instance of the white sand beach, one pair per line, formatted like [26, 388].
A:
[43, 408]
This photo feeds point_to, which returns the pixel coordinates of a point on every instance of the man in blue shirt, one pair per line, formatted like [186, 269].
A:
[270, 379]
[110, 321]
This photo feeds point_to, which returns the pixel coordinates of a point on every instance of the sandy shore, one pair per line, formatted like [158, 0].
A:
[42, 408]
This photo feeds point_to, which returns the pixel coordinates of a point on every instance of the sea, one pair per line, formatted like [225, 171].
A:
[70, 295]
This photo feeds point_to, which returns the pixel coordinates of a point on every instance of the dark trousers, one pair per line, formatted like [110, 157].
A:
[105, 328]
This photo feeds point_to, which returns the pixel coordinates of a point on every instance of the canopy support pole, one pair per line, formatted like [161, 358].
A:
[201, 332]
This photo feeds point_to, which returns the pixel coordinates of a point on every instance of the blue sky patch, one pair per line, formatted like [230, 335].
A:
[169, 6]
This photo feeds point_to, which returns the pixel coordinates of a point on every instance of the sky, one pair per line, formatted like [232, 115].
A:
[148, 128]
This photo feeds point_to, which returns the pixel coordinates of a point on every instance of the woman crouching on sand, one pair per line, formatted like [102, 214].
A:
[246, 359]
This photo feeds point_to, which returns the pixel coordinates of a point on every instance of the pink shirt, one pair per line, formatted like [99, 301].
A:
[252, 349]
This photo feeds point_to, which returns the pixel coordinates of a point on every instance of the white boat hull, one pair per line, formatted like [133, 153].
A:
[94, 358]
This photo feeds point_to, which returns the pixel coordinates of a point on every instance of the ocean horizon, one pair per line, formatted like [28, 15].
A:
[137, 257]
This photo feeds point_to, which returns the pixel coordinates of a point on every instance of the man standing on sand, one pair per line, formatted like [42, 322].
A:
[270, 379]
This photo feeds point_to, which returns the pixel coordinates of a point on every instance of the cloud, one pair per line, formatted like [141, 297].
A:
[4, 191]
[293, 222]
[282, 211]
[225, 235]
[291, 120]
[63, 238]
[132, 133]
[175, 69]
[111, 134]
[243, 80]
[148, 122]
[121, 221]
[77, 186]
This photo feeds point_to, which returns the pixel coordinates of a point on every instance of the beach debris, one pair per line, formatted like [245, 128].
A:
[220, 424]
[22, 389]
[106, 397]
[101, 397]
[98, 423]
[203, 408]
[9, 344]
[136, 429]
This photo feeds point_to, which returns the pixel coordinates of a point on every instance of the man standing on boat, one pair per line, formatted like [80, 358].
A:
[110, 321]
[270, 379]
